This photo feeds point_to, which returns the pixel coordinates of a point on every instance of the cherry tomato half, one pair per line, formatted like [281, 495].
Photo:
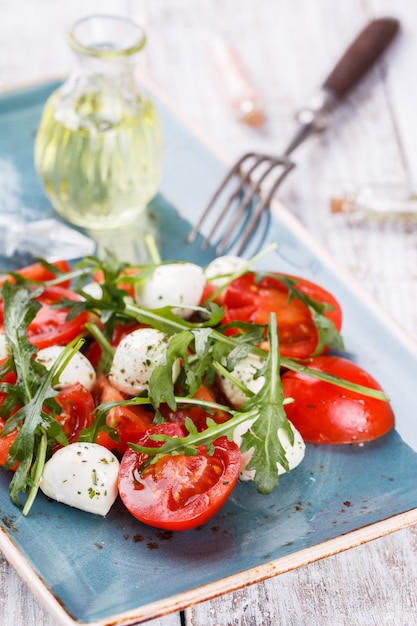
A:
[78, 407]
[327, 413]
[248, 301]
[5, 444]
[7, 440]
[178, 492]
[50, 326]
[130, 422]
[39, 273]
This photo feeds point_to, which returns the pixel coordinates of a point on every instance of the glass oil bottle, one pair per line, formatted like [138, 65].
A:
[98, 150]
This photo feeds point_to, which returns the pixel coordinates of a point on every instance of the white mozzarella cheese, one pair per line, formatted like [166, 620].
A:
[94, 290]
[179, 285]
[135, 358]
[82, 475]
[294, 453]
[218, 270]
[4, 347]
[244, 372]
[78, 370]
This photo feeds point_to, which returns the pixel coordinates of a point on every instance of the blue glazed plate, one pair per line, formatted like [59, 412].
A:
[93, 570]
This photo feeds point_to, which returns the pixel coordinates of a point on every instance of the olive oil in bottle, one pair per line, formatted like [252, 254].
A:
[98, 149]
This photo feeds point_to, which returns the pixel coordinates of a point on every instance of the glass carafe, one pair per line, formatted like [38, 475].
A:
[98, 150]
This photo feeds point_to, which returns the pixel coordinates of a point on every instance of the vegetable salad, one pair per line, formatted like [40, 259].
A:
[166, 383]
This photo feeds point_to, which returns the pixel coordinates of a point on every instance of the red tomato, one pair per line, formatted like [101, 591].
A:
[7, 440]
[50, 326]
[178, 492]
[248, 301]
[130, 422]
[10, 377]
[78, 407]
[209, 289]
[198, 414]
[39, 273]
[5, 444]
[327, 413]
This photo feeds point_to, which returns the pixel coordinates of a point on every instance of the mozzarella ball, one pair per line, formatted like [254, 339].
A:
[178, 285]
[294, 453]
[245, 372]
[216, 272]
[78, 370]
[82, 475]
[135, 358]
[94, 290]
[4, 347]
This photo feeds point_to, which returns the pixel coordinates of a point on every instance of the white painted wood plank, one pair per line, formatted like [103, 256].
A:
[372, 585]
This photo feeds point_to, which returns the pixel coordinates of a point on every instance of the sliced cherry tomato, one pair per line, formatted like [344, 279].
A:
[39, 273]
[78, 408]
[327, 413]
[209, 289]
[7, 440]
[10, 378]
[178, 492]
[248, 301]
[5, 444]
[50, 326]
[130, 422]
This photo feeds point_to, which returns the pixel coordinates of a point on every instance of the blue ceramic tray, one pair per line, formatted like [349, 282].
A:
[87, 569]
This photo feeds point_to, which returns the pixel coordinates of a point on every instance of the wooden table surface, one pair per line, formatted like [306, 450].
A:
[287, 48]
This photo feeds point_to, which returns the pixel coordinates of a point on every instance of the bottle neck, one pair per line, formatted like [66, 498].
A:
[114, 70]
[106, 48]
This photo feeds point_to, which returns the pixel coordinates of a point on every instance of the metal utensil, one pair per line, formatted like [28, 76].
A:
[253, 170]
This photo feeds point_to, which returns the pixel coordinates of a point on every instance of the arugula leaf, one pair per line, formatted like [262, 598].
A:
[37, 426]
[110, 305]
[20, 309]
[193, 350]
[161, 383]
[262, 437]
[327, 333]
[31, 393]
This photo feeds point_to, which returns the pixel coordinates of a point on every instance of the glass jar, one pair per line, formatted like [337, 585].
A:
[98, 150]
